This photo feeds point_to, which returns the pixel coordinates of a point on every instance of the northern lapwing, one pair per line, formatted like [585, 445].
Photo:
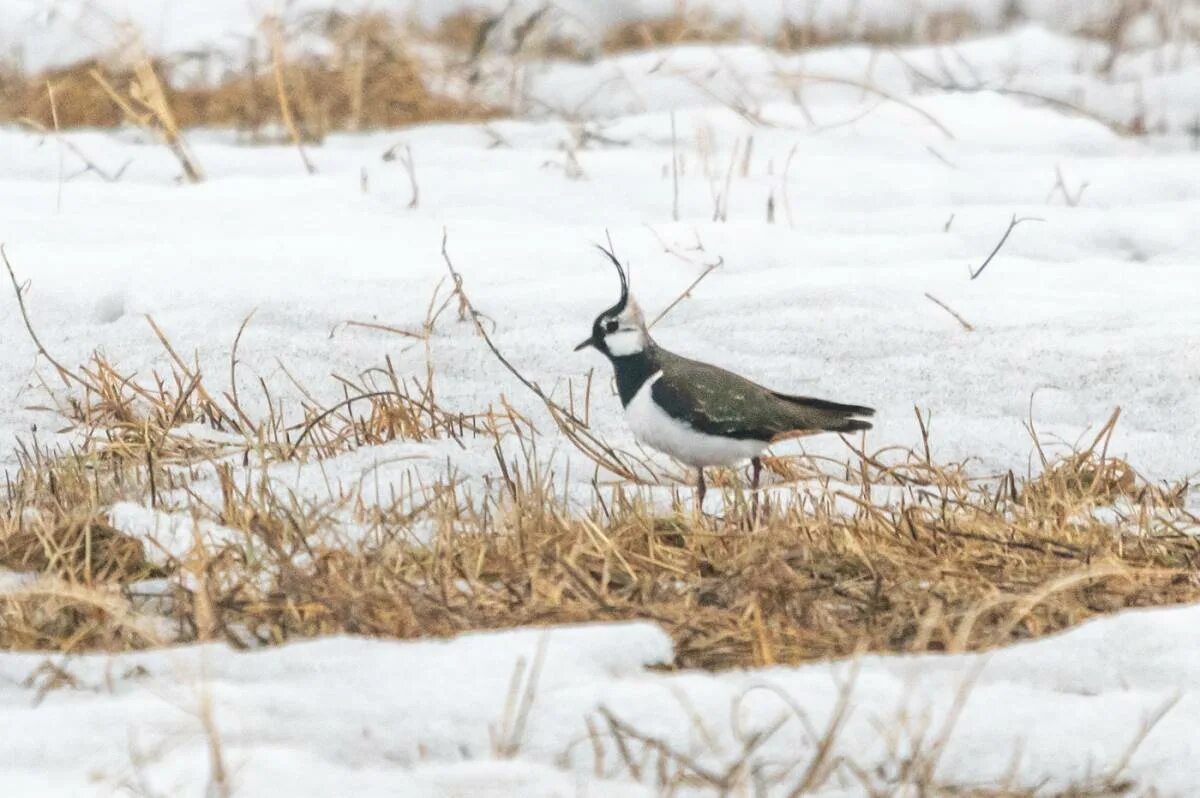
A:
[698, 413]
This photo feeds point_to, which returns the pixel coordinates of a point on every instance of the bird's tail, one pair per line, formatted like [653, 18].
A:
[828, 416]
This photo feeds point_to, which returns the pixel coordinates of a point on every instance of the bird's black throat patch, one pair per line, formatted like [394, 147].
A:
[632, 371]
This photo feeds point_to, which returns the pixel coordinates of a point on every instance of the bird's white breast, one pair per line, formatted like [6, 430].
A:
[653, 427]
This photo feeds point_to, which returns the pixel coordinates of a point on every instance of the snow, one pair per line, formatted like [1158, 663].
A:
[303, 718]
[429, 718]
[171, 535]
[880, 196]
[11, 581]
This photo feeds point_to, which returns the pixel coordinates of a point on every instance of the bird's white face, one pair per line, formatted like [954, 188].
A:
[623, 334]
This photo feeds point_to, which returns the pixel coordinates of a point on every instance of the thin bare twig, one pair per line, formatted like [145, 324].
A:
[687, 292]
[999, 245]
[89, 164]
[1060, 185]
[878, 92]
[371, 325]
[62, 370]
[952, 84]
[1147, 726]
[620, 729]
[476, 317]
[966, 324]
[814, 773]
[406, 158]
[787, 200]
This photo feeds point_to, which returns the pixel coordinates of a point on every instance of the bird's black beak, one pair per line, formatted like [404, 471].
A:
[585, 344]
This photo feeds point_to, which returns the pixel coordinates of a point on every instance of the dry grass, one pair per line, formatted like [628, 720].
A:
[325, 72]
[953, 574]
[679, 28]
[933, 27]
[365, 78]
[894, 552]
[700, 26]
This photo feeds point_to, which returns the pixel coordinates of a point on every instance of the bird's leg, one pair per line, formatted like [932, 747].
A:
[701, 489]
[755, 472]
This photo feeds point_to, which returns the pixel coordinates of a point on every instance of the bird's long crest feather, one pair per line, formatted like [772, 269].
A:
[620, 273]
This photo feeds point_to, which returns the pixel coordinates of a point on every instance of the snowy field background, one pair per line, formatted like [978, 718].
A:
[837, 188]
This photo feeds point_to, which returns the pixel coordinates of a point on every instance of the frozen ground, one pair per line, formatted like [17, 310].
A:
[876, 202]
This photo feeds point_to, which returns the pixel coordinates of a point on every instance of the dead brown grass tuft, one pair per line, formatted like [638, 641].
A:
[934, 27]
[51, 616]
[462, 30]
[365, 78]
[86, 550]
[79, 99]
[679, 28]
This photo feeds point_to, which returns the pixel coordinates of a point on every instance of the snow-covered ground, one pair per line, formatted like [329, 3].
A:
[1116, 701]
[881, 189]
[876, 205]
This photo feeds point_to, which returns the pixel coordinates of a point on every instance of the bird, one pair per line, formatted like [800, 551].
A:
[700, 414]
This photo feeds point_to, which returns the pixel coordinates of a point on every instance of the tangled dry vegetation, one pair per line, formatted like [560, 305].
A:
[322, 72]
[363, 74]
[892, 551]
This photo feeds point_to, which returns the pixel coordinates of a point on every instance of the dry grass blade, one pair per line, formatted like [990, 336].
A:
[156, 116]
[816, 771]
[274, 33]
[66, 374]
[873, 89]
[371, 325]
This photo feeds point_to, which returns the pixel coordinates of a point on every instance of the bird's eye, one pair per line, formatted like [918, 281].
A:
[610, 326]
